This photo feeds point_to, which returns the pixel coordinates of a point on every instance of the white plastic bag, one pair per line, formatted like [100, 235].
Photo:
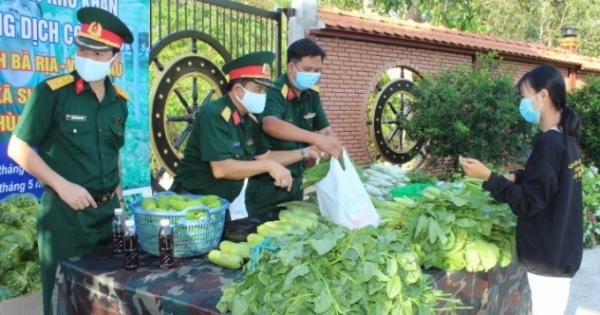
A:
[343, 198]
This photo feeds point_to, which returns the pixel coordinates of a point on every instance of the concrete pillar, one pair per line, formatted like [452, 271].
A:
[305, 18]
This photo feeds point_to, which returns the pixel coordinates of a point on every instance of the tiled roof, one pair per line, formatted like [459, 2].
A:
[423, 32]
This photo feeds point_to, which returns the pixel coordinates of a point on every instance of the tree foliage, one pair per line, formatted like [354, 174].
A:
[470, 111]
[586, 102]
[537, 21]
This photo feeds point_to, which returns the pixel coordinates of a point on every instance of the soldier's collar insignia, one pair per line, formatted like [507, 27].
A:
[266, 69]
[290, 94]
[79, 86]
[236, 118]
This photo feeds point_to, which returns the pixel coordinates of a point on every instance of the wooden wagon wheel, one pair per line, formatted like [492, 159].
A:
[391, 109]
[179, 89]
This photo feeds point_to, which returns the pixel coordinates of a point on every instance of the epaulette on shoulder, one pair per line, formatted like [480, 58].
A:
[315, 88]
[226, 114]
[284, 90]
[60, 81]
[121, 93]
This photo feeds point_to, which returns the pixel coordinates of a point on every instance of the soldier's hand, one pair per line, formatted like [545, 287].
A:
[330, 145]
[77, 197]
[314, 152]
[281, 176]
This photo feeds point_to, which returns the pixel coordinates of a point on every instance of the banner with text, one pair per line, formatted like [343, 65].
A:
[36, 43]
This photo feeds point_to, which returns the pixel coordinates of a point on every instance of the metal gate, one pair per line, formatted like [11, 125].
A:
[192, 39]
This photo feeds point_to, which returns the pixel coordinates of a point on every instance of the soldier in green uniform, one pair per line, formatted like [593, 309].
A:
[77, 123]
[227, 145]
[293, 119]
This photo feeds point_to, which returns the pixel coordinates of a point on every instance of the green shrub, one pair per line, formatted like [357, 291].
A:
[471, 111]
[586, 102]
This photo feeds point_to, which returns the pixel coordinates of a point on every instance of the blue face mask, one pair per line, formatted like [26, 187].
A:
[529, 113]
[304, 80]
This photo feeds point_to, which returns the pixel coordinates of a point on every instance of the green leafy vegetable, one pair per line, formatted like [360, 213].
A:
[455, 229]
[19, 267]
[332, 270]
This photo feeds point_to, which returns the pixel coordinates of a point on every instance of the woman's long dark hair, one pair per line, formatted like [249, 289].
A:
[549, 77]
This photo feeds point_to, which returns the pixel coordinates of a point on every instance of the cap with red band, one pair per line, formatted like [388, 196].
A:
[101, 30]
[255, 66]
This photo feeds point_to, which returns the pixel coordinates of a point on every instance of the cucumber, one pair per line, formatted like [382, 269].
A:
[372, 190]
[230, 261]
[241, 250]
[255, 239]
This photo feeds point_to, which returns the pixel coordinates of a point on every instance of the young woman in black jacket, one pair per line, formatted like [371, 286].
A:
[547, 195]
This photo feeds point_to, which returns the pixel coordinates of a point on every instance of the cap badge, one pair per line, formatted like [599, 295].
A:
[95, 29]
[266, 70]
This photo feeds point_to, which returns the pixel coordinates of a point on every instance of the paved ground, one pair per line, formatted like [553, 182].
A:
[585, 288]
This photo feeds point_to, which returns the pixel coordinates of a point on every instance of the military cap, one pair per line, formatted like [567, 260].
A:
[101, 30]
[255, 66]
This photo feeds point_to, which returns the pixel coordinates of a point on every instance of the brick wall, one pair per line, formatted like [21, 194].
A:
[352, 69]
[350, 73]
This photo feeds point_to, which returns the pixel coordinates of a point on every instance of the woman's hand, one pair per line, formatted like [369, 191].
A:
[474, 168]
[511, 177]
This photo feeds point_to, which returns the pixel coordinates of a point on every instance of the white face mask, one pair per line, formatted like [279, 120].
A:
[254, 102]
[91, 70]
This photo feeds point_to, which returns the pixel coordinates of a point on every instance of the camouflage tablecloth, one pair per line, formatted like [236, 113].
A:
[500, 291]
[98, 284]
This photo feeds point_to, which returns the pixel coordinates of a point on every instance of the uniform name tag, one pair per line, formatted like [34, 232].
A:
[235, 144]
[309, 115]
[76, 117]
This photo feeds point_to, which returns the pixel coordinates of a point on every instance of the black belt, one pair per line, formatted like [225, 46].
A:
[99, 199]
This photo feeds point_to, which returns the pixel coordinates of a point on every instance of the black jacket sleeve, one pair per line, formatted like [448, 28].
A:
[538, 183]
[519, 176]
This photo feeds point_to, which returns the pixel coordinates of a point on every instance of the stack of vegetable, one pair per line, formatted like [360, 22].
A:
[19, 267]
[333, 270]
[316, 173]
[295, 221]
[455, 229]
[176, 203]
[381, 178]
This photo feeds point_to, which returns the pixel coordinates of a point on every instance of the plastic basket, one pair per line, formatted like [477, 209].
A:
[190, 237]
[410, 191]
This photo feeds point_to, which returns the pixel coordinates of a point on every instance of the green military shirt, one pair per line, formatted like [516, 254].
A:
[304, 111]
[76, 135]
[219, 133]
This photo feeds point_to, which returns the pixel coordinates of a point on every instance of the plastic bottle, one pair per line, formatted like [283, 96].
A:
[165, 245]
[118, 232]
[132, 260]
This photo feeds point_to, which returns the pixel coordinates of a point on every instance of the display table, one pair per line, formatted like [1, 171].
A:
[98, 284]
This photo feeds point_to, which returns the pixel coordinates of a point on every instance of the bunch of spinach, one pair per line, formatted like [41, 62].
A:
[333, 270]
[456, 229]
[317, 172]
[19, 267]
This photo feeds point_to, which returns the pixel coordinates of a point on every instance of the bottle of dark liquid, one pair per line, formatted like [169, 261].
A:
[165, 244]
[130, 242]
[118, 231]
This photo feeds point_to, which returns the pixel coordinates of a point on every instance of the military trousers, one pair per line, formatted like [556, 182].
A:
[63, 233]
[264, 197]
